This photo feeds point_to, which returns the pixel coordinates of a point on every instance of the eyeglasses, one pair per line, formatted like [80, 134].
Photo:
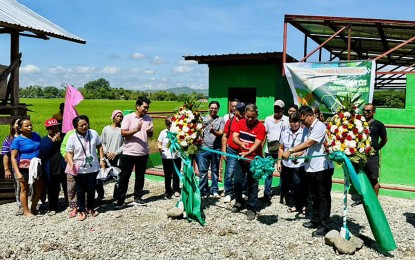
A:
[367, 110]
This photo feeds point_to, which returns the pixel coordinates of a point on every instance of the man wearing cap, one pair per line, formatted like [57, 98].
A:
[232, 107]
[228, 146]
[112, 143]
[53, 164]
[274, 124]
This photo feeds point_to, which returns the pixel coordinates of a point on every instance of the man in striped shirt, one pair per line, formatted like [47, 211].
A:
[248, 134]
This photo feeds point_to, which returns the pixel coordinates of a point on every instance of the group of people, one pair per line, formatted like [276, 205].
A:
[73, 160]
[300, 133]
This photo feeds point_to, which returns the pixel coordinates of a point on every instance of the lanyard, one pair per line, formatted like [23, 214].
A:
[88, 159]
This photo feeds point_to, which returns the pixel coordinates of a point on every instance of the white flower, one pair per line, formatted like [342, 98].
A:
[199, 126]
[183, 143]
[333, 128]
[363, 119]
[174, 129]
[185, 129]
[181, 122]
[182, 112]
[361, 150]
[347, 114]
[352, 144]
[360, 129]
[347, 151]
[193, 136]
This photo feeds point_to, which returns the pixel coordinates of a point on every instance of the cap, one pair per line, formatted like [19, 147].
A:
[115, 112]
[279, 103]
[51, 122]
[240, 106]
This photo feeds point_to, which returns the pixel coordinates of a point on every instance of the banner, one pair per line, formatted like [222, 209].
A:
[322, 84]
[72, 98]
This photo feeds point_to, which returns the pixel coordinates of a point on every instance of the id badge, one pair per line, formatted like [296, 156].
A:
[89, 159]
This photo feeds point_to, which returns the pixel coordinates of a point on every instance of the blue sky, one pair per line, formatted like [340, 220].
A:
[139, 44]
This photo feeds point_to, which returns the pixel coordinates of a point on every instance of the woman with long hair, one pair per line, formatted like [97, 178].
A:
[85, 163]
[8, 170]
[25, 147]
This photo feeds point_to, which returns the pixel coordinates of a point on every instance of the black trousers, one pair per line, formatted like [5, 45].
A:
[320, 187]
[127, 163]
[246, 176]
[295, 186]
[170, 173]
[54, 182]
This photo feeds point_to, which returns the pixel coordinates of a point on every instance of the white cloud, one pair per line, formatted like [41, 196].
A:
[158, 60]
[110, 70]
[135, 70]
[84, 70]
[148, 71]
[58, 70]
[186, 62]
[182, 69]
[28, 69]
[137, 56]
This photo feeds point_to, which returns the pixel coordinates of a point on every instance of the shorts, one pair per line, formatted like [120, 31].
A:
[372, 169]
[25, 173]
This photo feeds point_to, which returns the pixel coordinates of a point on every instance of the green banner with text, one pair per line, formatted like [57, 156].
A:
[323, 83]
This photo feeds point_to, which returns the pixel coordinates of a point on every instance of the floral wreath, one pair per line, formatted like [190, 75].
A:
[348, 132]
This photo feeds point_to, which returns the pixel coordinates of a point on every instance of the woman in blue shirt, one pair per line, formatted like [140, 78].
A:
[24, 148]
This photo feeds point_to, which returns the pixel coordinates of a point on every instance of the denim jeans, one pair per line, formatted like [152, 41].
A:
[85, 182]
[232, 168]
[205, 159]
[268, 180]
[127, 163]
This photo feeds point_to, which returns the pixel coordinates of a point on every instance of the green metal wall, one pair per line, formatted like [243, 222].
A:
[266, 79]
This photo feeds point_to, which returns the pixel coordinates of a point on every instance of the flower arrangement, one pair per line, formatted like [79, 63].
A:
[187, 125]
[348, 132]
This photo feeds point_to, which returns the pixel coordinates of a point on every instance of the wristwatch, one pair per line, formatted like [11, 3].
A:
[102, 159]
[291, 150]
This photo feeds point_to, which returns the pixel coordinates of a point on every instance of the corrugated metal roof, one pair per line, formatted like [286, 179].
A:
[240, 58]
[14, 15]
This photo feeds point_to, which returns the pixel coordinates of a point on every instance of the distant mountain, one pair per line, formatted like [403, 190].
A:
[181, 90]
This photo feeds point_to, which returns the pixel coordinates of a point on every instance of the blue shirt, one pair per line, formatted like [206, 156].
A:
[28, 147]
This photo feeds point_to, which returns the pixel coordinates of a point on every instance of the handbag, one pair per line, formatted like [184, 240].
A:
[24, 163]
[273, 146]
[103, 174]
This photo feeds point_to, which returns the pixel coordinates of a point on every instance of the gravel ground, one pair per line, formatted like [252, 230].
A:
[146, 233]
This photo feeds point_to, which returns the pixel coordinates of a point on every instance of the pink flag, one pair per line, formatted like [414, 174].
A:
[72, 98]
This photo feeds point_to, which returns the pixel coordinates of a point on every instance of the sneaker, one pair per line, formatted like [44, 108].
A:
[51, 213]
[320, 232]
[177, 194]
[227, 199]
[216, 195]
[139, 202]
[250, 215]
[118, 207]
[19, 212]
[245, 197]
[236, 207]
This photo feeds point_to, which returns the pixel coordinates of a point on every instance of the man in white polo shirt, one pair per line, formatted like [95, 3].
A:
[320, 170]
[135, 128]
[275, 124]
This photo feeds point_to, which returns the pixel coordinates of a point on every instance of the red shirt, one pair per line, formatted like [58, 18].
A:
[229, 132]
[249, 135]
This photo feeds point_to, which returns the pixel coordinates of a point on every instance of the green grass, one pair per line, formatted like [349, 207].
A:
[99, 113]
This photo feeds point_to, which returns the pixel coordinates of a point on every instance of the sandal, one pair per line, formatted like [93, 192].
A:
[292, 210]
[93, 213]
[304, 211]
[82, 216]
[73, 213]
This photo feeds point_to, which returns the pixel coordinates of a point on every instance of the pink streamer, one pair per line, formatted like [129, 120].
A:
[72, 98]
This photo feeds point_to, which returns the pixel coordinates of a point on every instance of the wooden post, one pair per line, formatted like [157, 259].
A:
[14, 75]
